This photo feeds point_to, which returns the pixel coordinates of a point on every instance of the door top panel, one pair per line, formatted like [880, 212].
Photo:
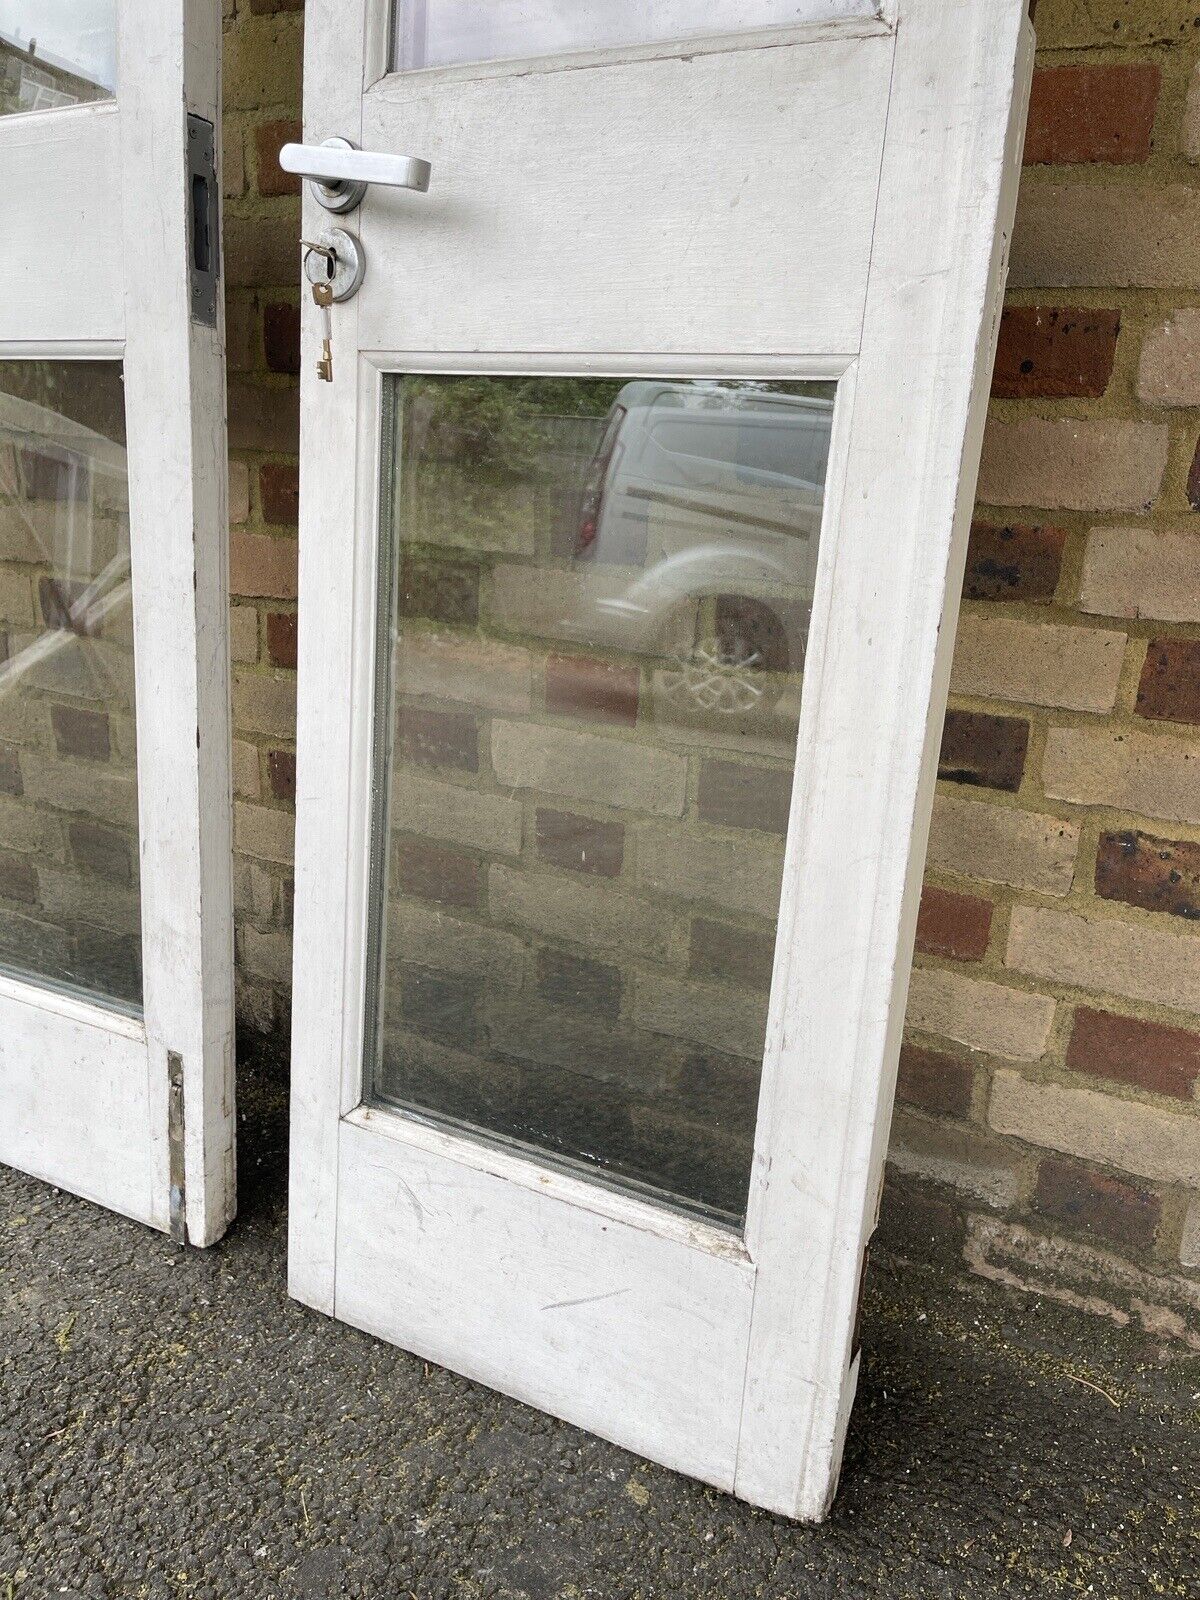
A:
[724, 234]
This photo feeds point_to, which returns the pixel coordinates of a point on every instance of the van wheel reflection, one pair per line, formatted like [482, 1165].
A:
[725, 657]
[718, 675]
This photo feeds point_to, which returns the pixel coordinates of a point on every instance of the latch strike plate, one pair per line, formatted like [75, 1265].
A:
[204, 221]
[175, 1136]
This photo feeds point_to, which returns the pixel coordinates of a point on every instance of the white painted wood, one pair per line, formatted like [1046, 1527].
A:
[869, 735]
[81, 1119]
[836, 205]
[61, 244]
[722, 232]
[544, 1274]
[335, 649]
[109, 262]
[175, 408]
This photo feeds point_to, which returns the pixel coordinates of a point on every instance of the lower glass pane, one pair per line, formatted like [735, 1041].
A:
[596, 604]
[69, 906]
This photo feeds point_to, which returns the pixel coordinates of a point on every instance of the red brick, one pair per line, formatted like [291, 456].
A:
[745, 624]
[268, 138]
[916, 1224]
[954, 925]
[739, 956]
[1148, 1055]
[436, 874]
[983, 750]
[733, 795]
[260, 565]
[442, 1006]
[584, 686]
[580, 844]
[1097, 1204]
[438, 738]
[63, 606]
[281, 769]
[581, 985]
[1170, 684]
[1103, 113]
[81, 733]
[282, 629]
[10, 771]
[100, 849]
[18, 879]
[439, 591]
[1156, 874]
[263, 416]
[1056, 352]
[281, 337]
[1019, 561]
[279, 486]
[934, 1082]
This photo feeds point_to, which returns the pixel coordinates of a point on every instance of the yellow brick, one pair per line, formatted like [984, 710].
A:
[1137, 572]
[1097, 1127]
[984, 1016]
[1169, 369]
[1128, 958]
[1037, 662]
[1152, 774]
[1003, 844]
[1105, 235]
[1068, 465]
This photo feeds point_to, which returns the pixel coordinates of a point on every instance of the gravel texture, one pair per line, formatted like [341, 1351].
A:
[171, 1425]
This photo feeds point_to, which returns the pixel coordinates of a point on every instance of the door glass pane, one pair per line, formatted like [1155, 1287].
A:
[596, 607]
[56, 53]
[436, 33]
[69, 908]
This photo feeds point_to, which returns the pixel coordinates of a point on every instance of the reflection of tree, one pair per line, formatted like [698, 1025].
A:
[498, 423]
[488, 462]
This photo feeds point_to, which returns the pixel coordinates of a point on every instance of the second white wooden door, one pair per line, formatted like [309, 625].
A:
[631, 523]
[116, 1009]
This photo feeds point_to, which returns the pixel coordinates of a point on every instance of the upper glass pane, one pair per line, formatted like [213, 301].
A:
[596, 615]
[69, 900]
[56, 53]
[437, 33]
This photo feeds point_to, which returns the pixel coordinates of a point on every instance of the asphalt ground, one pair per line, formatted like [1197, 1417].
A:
[171, 1425]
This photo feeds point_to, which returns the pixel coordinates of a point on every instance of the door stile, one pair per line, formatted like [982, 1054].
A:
[175, 404]
[326, 1008]
[832, 1067]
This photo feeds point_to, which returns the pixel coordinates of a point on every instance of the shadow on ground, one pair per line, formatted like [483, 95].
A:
[172, 1426]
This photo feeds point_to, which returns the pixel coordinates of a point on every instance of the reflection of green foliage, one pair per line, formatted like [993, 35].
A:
[476, 507]
[496, 422]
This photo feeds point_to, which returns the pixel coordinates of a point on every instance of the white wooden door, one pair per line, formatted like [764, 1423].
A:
[632, 528]
[116, 1069]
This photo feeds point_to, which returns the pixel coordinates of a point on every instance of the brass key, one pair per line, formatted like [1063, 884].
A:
[323, 295]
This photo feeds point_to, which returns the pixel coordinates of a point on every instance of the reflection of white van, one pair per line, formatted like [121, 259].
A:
[709, 496]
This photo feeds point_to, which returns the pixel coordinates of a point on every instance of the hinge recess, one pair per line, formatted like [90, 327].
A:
[175, 1136]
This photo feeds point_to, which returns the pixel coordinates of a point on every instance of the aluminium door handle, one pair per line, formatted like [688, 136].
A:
[338, 172]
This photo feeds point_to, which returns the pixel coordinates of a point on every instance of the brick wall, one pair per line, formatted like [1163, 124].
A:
[1047, 1122]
